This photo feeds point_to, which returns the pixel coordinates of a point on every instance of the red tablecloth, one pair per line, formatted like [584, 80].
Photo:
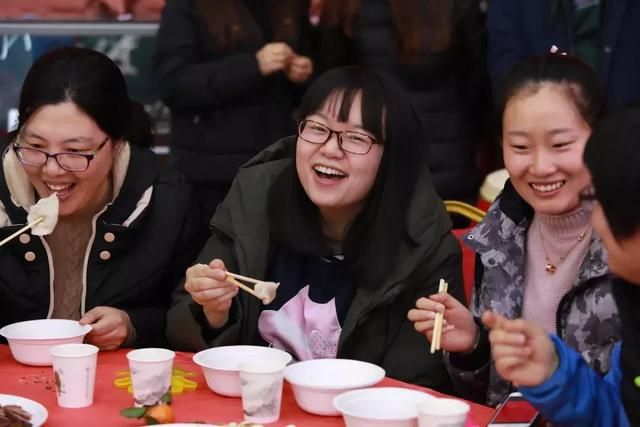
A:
[202, 405]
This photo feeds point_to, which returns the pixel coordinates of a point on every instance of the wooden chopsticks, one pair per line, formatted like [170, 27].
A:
[22, 230]
[437, 327]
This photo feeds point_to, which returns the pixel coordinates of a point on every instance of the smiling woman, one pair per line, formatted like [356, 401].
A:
[346, 218]
[538, 257]
[82, 138]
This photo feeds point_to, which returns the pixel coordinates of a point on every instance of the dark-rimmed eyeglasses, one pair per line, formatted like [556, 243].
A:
[72, 162]
[349, 141]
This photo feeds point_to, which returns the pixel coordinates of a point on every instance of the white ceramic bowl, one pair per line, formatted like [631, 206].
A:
[316, 382]
[220, 365]
[381, 406]
[30, 341]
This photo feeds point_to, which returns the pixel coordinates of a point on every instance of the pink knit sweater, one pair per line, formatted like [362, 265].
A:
[543, 291]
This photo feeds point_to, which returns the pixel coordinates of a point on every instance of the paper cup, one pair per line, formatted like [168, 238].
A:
[261, 390]
[442, 413]
[74, 370]
[151, 370]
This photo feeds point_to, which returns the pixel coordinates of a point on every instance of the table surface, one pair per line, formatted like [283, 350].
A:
[36, 383]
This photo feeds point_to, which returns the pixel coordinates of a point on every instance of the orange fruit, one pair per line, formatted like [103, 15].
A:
[161, 412]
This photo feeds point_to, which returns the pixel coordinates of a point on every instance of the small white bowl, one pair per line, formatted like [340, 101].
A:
[381, 406]
[316, 382]
[221, 365]
[31, 341]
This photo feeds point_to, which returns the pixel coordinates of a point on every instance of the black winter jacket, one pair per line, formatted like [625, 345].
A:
[223, 110]
[157, 235]
[447, 87]
[376, 328]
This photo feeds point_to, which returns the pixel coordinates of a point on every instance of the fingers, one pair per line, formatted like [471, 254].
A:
[92, 316]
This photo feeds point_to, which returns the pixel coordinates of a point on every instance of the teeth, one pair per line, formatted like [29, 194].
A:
[328, 171]
[61, 187]
[545, 188]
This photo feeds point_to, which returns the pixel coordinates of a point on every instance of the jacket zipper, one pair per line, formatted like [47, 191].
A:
[52, 276]
[83, 303]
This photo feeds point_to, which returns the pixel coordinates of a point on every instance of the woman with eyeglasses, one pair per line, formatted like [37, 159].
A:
[538, 257]
[345, 217]
[126, 230]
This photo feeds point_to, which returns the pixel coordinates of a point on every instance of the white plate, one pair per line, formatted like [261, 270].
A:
[38, 412]
[381, 404]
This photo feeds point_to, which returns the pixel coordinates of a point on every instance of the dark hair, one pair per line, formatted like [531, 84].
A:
[580, 81]
[612, 155]
[381, 224]
[230, 24]
[91, 81]
[419, 26]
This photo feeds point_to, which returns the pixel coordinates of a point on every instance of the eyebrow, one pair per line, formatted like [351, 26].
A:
[32, 134]
[559, 131]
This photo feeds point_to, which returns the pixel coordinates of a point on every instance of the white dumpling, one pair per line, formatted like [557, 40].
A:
[266, 291]
[47, 208]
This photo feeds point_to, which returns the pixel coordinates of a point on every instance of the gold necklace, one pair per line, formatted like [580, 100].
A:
[551, 267]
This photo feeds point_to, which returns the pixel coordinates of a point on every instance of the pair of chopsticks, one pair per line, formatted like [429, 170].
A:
[437, 327]
[22, 230]
[232, 277]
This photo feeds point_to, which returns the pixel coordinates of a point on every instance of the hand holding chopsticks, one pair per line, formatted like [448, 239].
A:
[265, 291]
[437, 329]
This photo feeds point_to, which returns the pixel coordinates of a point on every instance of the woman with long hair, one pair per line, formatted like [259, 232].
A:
[345, 217]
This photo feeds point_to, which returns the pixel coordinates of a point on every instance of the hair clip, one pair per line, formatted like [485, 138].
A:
[554, 49]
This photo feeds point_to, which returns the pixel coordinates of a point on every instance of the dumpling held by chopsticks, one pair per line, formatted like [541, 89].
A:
[44, 215]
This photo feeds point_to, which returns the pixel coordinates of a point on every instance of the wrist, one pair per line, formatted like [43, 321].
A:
[474, 343]
[216, 318]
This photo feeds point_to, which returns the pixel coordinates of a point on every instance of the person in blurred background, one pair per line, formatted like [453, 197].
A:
[537, 255]
[602, 33]
[345, 217]
[229, 71]
[435, 49]
[550, 374]
[126, 230]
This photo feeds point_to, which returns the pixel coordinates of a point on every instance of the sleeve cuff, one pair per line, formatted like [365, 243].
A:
[476, 358]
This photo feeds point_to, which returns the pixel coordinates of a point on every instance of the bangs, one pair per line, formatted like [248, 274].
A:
[336, 92]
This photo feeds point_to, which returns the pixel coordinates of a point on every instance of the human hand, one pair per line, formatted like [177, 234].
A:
[111, 327]
[522, 351]
[208, 286]
[273, 57]
[298, 69]
[460, 330]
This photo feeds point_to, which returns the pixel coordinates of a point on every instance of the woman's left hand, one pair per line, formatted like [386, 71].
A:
[111, 327]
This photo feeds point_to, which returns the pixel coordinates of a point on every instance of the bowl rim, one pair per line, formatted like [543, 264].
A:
[379, 375]
[199, 356]
[5, 331]
[346, 395]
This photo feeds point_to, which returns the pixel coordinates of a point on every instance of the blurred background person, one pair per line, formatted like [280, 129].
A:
[603, 33]
[435, 50]
[228, 70]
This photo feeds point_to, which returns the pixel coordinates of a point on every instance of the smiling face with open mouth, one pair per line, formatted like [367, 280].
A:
[63, 128]
[336, 181]
[544, 137]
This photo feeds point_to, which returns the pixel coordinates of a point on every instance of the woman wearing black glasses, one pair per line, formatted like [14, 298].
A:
[125, 231]
[345, 217]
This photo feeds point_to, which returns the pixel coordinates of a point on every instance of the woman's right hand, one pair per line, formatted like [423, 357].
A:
[208, 287]
[459, 331]
[273, 57]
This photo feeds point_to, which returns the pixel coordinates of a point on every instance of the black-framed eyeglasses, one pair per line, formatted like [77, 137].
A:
[72, 162]
[349, 141]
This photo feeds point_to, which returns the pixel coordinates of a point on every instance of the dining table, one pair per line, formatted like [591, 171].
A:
[200, 405]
